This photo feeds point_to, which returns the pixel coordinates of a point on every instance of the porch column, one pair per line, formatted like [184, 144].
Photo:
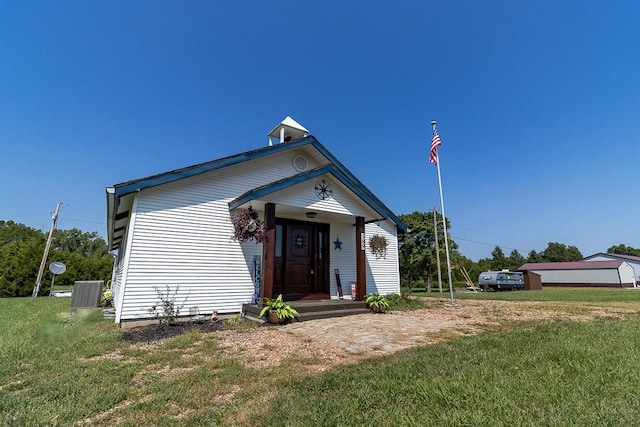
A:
[361, 267]
[269, 251]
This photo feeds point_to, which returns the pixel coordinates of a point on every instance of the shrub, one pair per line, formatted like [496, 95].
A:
[166, 310]
[376, 302]
[403, 302]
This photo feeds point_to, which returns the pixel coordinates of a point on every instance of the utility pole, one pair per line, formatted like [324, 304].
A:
[43, 263]
[435, 232]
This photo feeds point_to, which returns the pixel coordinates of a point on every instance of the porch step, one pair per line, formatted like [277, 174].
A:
[332, 313]
[310, 310]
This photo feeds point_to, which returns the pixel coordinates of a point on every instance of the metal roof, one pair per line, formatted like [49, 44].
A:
[118, 216]
[625, 257]
[575, 265]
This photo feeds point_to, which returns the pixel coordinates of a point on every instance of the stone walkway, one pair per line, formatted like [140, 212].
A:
[371, 333]
[324, 343]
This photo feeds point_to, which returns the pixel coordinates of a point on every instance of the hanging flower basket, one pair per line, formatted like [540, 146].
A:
[378, 245]
[247, 226]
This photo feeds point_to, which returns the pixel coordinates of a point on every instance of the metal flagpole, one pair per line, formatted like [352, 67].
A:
[444, 218]
[435, 232]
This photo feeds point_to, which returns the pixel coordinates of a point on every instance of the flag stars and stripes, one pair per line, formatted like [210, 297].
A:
[435, 143]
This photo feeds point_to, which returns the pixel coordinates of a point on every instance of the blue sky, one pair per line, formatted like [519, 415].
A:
[537, 104]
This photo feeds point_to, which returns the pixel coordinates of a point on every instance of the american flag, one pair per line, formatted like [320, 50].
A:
[435, 143]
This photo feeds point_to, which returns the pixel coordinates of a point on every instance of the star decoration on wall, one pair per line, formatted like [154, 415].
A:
[337, 244]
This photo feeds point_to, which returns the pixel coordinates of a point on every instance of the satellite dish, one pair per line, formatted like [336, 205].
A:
[57, 267]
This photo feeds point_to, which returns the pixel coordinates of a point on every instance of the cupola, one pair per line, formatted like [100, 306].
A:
[287, 130]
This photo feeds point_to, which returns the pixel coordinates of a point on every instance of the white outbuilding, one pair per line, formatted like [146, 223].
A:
[633, 261]
[614, 273]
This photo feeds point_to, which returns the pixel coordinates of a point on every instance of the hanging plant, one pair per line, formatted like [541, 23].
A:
[247, 226]
[378, 245]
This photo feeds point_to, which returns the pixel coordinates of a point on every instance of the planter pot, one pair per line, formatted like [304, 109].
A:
[376, 309]
[273, 318]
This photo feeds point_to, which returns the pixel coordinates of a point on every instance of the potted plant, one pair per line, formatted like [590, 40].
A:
[378, 245]
[278, 310]
[376, 302]
[247, 226]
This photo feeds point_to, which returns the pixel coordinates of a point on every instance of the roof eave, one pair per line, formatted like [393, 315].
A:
[129, 187]
[111, 206]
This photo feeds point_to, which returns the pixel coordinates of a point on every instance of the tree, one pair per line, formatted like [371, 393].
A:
[21, 248]
[75, 241]
[534, 257]
[515, 260]
[559, 252]
[623, 250]
[19, 263]
[498, 260]
[417, 248]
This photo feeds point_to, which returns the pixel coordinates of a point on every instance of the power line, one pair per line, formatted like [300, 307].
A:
[488, 244]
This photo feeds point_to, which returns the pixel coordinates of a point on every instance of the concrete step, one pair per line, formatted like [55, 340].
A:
[310, 310]
[332, 313]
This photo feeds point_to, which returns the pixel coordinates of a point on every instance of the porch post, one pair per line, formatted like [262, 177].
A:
[361, 268]
[269, 251]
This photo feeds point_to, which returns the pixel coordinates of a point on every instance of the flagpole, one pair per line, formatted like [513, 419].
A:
[444, 217]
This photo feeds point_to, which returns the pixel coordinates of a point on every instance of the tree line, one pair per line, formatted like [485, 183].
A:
[85, 255]
[418, 255]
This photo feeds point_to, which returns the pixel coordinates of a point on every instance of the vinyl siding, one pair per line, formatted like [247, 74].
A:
[383, 274]
[182, 238]
[343, 259]
[303, 195]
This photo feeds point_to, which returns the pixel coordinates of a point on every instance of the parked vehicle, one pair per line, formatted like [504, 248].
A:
[61, 294]
[501, 281]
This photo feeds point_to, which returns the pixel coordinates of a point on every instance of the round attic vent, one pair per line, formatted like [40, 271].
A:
[300, 163]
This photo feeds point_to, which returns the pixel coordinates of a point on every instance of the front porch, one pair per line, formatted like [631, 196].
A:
[314, 309]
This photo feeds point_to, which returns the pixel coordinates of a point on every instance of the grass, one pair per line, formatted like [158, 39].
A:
[554, 294]
[546, 374]
[61, 369]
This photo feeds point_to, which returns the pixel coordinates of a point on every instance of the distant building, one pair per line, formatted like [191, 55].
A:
[634, 261]
[614, 273]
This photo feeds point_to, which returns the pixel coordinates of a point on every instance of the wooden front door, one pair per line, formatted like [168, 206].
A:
[302, 254]
[299, 258]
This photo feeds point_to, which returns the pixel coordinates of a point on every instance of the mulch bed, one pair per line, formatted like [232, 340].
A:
[156, 332]
[159, 332]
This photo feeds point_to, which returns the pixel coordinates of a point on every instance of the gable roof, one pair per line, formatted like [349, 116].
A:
[115, 219]
[284, 183]
[575, 265]
[613, 256]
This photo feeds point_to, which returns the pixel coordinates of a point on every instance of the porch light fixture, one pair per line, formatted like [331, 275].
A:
[311, 214]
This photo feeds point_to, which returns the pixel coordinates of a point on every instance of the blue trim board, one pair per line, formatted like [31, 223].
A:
[282, 184]
[132, 186]
[275, 186]
[359, 184]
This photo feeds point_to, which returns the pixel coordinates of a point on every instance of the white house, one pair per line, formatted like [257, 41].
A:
[617, 274]
[174, 230]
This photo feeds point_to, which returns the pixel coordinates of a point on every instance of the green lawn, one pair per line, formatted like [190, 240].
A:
[548, 294]
[61, 369]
